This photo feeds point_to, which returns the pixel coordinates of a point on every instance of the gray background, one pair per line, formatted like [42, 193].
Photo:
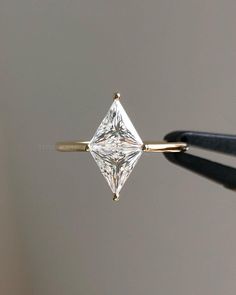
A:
[175, 64]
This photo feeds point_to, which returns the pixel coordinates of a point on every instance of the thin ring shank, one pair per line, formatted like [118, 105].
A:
[72, 146]
[165, 147]
[150, 147]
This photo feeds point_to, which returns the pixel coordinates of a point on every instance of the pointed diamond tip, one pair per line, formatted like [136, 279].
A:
[116, 198]
[116, 95]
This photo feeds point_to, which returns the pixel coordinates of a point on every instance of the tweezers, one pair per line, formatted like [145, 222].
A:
[223, 143]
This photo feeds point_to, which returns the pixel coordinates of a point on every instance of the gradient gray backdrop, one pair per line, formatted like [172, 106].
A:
[60, 61]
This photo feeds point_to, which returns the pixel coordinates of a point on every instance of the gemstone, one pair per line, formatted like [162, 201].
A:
[116, 147]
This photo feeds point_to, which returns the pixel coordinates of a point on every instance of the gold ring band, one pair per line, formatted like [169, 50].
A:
[165, 147]
[150, 147]
[73, 146]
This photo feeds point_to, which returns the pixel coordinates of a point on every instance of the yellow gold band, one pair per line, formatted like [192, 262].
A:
[150, 147]
[164, 147]
[73, 146]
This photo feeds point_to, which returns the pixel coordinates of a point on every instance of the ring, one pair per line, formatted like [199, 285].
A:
[116, 146]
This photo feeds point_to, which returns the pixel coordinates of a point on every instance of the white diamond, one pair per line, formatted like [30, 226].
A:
[116, 147]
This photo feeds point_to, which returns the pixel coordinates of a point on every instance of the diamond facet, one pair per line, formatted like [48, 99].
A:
[116, 147]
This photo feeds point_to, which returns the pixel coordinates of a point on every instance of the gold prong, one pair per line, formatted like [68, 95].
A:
[115, 197]
[116, 95]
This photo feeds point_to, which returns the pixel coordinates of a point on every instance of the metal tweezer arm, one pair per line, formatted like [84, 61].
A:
[222, 143]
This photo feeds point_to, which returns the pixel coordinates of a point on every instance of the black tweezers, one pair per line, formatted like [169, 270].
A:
[222, 143]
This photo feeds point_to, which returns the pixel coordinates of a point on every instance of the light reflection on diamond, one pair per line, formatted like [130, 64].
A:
[116, 147]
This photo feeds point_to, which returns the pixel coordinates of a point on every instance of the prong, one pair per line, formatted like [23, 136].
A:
[116, 95]
[115, 197]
